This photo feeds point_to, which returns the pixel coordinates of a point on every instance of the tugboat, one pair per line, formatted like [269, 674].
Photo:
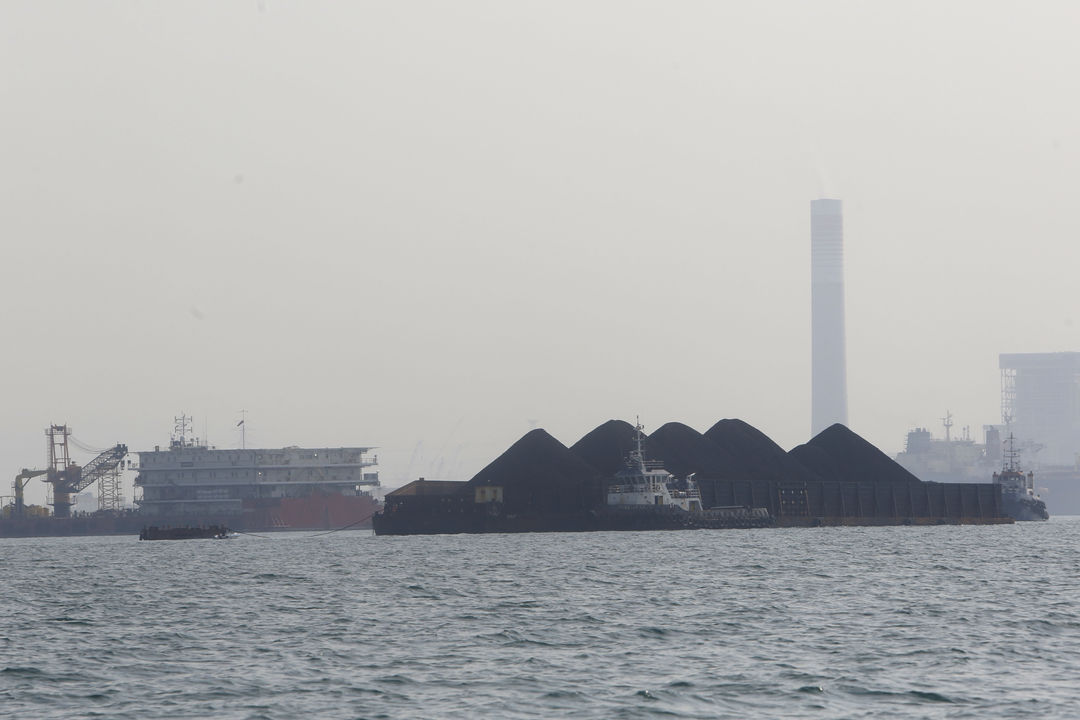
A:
[1018, 489]
[645, 496]
[645, 483]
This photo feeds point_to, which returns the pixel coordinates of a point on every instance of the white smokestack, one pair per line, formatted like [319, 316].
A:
[829, 368]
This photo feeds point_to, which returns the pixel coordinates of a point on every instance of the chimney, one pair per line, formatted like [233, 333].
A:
[828, 365]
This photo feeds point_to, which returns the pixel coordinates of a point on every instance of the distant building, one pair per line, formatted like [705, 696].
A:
[1040, 403]
[828, 364]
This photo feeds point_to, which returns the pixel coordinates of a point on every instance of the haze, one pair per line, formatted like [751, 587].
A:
[430, 227]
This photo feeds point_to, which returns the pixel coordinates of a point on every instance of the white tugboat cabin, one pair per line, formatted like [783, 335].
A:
[645, 483]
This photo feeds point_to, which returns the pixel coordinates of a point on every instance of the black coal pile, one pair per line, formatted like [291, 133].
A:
[856, 459]
[816, 460]
[683, 450]
[757, 455]
[540, 475]
[606, 447]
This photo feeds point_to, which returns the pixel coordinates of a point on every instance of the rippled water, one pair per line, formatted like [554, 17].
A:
[950, 622]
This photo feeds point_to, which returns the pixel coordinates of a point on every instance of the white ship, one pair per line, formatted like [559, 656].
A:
[645, 483]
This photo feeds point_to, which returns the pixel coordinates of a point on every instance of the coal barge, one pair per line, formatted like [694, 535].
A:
[736, 474]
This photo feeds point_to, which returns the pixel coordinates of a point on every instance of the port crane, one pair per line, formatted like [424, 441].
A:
[67, 478]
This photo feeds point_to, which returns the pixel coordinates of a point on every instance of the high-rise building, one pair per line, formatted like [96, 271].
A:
[1040, 403]
[828, 366]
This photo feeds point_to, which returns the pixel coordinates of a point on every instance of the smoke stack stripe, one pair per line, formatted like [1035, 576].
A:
[828, 365]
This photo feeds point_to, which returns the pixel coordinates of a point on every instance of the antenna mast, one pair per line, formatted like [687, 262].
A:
[637, 455]
[181, 430]
[243, 429]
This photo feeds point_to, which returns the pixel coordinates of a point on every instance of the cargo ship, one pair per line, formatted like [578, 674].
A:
[292, 488]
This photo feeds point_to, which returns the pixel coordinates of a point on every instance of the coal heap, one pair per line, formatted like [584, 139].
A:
[757, 455]
[816, 460]
[606, 447]
[683, 450]
[539, 474]
[856, 459]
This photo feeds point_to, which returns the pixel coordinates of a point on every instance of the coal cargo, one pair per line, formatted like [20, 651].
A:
[856, 459]
[762, 458]
[606, 447]
[538, 474]
[817, 460]
[683, 451]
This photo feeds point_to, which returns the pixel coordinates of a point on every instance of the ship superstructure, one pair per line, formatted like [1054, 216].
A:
[954, 459]
[289, 487]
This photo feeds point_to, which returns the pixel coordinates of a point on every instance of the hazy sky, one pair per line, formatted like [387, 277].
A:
[432, 226]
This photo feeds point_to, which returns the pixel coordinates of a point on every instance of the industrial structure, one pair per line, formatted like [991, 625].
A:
[191, 483]
[66, 478]
[1040, 403]
[829, 367]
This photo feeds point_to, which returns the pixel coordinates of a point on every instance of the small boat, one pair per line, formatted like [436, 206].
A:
[207, 532]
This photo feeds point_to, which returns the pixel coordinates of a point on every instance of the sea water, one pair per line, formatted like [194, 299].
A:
[897, 622]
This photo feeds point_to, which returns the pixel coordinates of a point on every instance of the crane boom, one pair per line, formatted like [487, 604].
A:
[66, 477]
[104, 463]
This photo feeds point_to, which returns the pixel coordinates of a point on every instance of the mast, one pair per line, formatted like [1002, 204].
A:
[638, 456]
[1012, 455]
[243, 429]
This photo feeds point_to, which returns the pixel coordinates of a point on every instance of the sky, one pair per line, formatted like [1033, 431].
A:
[431, 227]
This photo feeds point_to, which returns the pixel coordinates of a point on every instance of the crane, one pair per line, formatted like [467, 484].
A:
[69, 479]
[20, 485]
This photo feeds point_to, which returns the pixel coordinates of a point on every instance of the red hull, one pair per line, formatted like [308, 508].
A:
[317, 511]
